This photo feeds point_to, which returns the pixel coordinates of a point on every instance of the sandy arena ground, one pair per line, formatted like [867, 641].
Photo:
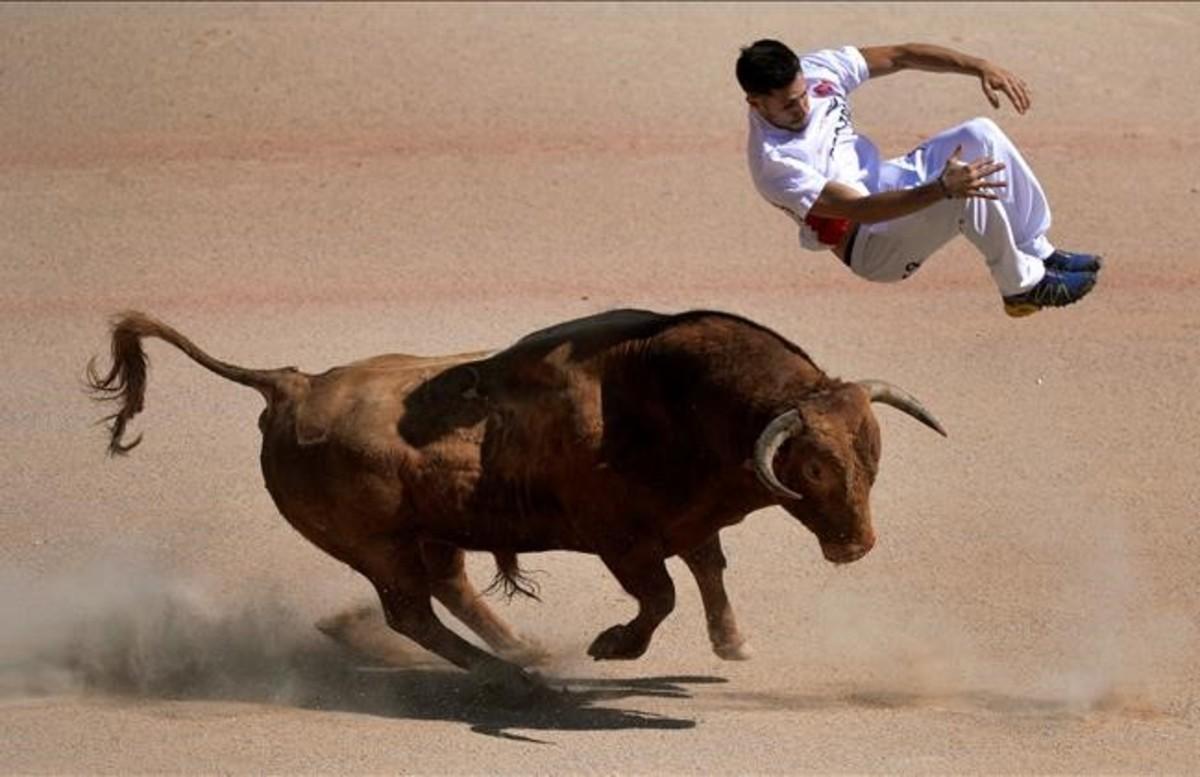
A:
[307, 184]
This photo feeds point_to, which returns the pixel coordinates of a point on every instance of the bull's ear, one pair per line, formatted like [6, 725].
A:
[780, 430]
[888, 394]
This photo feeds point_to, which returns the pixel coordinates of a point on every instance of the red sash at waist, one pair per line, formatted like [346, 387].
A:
[830, 231]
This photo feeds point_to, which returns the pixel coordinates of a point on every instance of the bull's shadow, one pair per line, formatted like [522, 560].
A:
[565, 704]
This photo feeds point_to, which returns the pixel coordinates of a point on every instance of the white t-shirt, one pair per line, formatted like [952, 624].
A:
[791, 168]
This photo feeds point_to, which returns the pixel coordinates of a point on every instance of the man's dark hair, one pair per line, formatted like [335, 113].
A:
[766, 65]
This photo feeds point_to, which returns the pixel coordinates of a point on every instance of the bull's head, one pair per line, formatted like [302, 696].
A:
[828, 450]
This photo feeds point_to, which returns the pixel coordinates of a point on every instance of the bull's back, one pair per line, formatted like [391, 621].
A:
[364, 403]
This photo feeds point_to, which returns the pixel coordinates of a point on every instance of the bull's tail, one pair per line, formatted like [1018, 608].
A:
[511, 579]
[125, 383]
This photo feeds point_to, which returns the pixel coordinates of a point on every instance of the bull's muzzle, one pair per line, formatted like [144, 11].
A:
[846, 552]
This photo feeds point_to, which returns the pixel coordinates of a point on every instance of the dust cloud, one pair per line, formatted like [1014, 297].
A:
[1082, 641]
[130, 627]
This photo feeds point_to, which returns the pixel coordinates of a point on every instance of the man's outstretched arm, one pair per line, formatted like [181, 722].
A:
[883, 60]
[958, 180]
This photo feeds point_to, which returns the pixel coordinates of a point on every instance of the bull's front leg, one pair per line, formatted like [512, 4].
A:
[707, 563]
[644, 576]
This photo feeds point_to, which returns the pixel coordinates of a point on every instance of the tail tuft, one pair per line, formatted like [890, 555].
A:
[125, 382]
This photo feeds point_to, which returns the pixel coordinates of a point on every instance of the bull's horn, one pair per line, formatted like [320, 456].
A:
[776, 433]
[882, 391]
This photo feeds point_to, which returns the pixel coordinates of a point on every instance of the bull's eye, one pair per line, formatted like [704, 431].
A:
[813, 471]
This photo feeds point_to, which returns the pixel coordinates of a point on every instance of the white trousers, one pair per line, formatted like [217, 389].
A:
[1010, 232]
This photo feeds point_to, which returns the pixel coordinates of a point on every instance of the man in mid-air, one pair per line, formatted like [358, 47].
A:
[884, 218]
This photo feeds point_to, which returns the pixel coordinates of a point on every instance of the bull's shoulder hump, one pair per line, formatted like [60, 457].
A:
[735, 327]
[585, 337]
[614, 324]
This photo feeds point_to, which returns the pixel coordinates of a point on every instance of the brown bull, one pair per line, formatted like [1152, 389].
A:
[631, 435]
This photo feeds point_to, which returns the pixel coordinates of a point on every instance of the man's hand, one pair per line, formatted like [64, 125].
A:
[995, 79]
[960, 179]
[883, 60]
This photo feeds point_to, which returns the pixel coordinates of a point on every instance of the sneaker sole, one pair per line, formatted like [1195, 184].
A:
[1022, 309]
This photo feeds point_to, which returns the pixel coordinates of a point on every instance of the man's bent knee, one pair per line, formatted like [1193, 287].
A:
[985, 131]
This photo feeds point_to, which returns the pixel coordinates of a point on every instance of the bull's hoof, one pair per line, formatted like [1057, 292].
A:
[511, 686]
[618, 643]
[740, 651]
[339, 627]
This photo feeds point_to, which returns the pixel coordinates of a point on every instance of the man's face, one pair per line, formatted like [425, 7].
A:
[786, 107]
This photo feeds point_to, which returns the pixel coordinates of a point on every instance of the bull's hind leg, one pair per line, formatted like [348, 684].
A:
[362, 629]
[645, 578]
[448, 580]
[398, 573]
[707, 562]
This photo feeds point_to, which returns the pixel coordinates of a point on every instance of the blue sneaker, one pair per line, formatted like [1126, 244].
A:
[1069, 261]
[1058, 289]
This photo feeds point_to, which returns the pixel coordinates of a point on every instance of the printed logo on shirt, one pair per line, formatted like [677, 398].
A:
[825, 88]
[841, 130]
